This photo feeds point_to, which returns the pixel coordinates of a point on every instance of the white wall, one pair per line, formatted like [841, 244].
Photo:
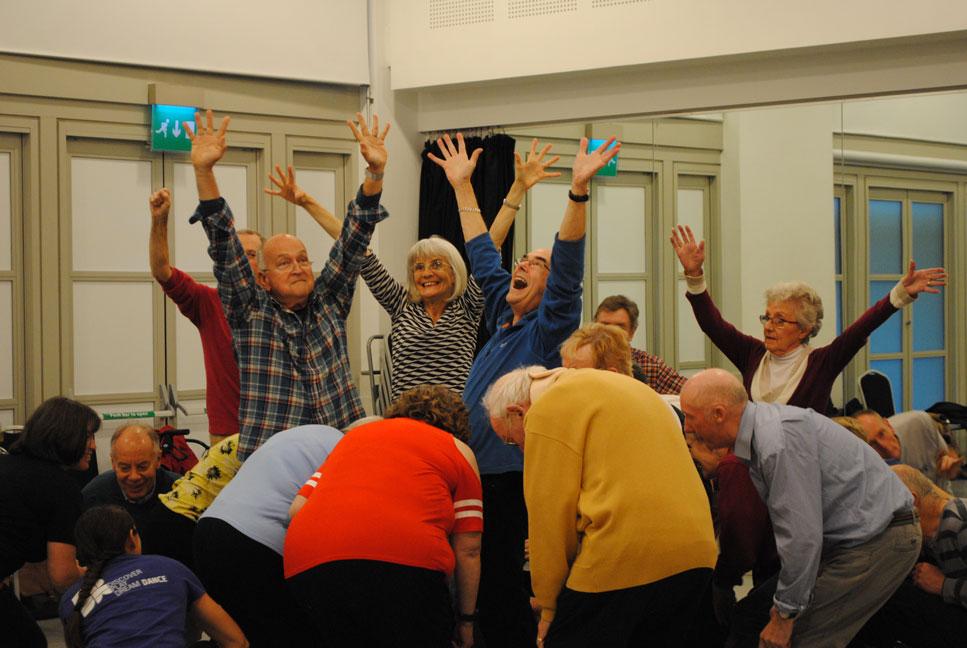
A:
[310, 40]
[465, 41]
[777, 225]
[935, 117]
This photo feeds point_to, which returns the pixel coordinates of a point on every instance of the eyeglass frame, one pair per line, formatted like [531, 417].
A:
[538, 260]
[435, 265]
[777, 321]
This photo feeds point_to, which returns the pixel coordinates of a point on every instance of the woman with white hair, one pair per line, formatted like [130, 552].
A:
[435, 316]
[783, 368]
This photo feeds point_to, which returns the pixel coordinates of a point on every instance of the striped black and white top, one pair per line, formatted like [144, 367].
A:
[423, 352]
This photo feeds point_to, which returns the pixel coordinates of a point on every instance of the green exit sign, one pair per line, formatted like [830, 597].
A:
[167, 127]
[611, 168]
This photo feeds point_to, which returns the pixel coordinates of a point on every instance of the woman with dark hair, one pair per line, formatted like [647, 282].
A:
[126, 599]
[378, 529]
[40, 503]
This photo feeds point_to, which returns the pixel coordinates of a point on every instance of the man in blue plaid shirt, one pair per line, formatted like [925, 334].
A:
[290, 338]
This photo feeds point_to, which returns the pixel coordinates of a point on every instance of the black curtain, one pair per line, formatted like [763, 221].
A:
[491, 181]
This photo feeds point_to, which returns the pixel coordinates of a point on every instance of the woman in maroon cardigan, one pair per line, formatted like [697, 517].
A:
[783, 368]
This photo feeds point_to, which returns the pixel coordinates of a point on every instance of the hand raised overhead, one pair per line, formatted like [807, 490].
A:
[534, 168]
[287, 187]
[455, 162]
[586, 164]
[927, 280]
[160, 203]
[207, 145]
[690, 253]
[372, 144]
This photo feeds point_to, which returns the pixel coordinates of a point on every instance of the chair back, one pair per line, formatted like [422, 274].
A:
[877, 393]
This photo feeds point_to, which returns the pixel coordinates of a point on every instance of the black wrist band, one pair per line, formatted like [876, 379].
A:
[576, 198]
[468, 618]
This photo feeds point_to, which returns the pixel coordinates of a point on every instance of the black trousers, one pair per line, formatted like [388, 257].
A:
[917, 619]
[655, 615]
[505, 616]
[245, 577]
[169, 534]
[355, 603]
[17, 628]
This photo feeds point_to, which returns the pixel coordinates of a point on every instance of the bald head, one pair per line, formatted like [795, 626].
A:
[135, 458]
[713, 401]
[286, 271]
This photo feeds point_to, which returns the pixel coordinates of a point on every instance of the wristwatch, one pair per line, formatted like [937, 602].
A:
[785, 616]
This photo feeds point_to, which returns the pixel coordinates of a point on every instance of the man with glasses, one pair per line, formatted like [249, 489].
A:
[290, 338]
[529, 312]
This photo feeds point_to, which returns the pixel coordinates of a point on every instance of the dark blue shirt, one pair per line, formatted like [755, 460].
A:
[535, 339]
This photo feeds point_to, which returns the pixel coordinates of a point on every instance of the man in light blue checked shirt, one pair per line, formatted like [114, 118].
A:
[845, 527]
[290, 333]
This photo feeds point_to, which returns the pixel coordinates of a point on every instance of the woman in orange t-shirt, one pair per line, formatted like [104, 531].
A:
[376, 532]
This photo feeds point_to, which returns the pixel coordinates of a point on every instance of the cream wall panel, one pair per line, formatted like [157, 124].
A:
[691, 340]
[236, 37]
[620, 234]
[6, 339]
[5, 208]
[322, 186]
[635, 291]
[191, 244]
[113, 338]
[6, 418]
[633, 33]
[109, 214]
[188, 354]
[547, 204]
[690, 211]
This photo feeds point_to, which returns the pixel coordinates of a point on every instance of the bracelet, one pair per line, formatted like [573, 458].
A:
[467, 618]
[576, 198]
[472, 210]
[373, 176]
[507, 203]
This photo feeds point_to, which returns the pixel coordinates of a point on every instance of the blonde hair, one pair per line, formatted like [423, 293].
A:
[609, 346]
[428, 248]
[853, 426]
[809, 314]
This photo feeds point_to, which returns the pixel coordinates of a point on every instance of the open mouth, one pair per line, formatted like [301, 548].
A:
[519, 283]
[429, 284]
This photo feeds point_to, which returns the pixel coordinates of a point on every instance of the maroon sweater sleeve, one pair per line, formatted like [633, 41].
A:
[744, 524]
[184, 291]
[838, 353]
[743, 350]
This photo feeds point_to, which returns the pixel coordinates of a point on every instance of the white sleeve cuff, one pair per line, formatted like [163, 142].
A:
[899, 296]
[695, 285]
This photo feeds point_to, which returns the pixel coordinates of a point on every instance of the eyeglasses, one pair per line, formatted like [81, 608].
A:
[435, 264]
[287, 265]
[510, 422]
[537, 260]
[777, 321]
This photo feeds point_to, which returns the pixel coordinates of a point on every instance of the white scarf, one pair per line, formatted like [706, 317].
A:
[777, 377]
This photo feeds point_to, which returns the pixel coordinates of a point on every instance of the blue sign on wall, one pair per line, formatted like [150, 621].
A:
[167, 130]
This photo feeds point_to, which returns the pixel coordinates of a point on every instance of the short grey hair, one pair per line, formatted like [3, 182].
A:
[809, 314]
[259, 259]
[428, 248]
[512, 388]
[137, 428]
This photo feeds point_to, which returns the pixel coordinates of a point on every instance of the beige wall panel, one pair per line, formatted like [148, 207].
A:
[109, 214]
[547, 209]
[691, 340]
[6, 339]
[191, 244]
[620, 235]
[635, 291]
[321, 185]
[690, 211]
[5, 212]
[6, 418]
[188, 355]
[113, 342]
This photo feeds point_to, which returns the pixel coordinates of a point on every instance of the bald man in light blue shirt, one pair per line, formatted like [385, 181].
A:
[845, 528]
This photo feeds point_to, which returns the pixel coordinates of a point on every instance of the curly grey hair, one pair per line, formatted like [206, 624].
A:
[436, 247]
[809, 315]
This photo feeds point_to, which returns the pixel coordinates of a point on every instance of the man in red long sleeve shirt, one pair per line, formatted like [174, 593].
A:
[201, 304]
